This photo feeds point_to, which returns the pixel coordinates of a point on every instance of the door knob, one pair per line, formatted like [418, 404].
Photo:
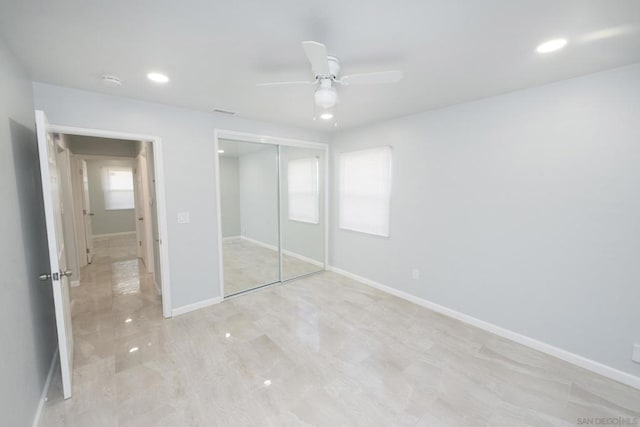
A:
[46, 276]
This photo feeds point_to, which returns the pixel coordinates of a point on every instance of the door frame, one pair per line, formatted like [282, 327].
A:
[142, 166]
[160, 195]
[65, 166]
[277, 141]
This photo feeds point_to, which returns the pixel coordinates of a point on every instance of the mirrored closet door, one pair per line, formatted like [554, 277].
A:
[272, 203]
[249, 211]
[302, 210]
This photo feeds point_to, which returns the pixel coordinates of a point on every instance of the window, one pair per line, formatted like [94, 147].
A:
[303, 190]
[117, 184]
[365, 190]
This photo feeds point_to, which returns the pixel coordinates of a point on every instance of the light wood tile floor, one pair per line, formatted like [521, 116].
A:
[248, 265]
[320, 351]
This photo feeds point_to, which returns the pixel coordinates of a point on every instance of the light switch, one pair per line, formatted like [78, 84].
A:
[183, 218]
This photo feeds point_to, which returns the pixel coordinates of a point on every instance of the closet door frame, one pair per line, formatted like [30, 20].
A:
[279, 142]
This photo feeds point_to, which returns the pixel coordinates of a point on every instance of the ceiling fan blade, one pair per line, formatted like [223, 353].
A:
[372, 78]
[292, 83]
[317, 55]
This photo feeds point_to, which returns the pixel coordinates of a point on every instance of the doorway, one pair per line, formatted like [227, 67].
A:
[273, 210]
[106, 233]
[111, 204]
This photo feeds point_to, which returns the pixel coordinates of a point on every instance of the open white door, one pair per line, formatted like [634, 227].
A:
[58, 275]
[86, 211]
[139, 212]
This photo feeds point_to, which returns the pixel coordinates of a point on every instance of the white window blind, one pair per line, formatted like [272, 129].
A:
[365, 190]
[303, 190]
[117, 184]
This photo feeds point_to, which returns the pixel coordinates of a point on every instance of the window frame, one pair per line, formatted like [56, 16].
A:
[107, 191]
[389, 196]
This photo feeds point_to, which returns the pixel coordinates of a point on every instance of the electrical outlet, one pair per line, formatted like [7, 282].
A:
[183, 218]
[636, 353]
[415, 274]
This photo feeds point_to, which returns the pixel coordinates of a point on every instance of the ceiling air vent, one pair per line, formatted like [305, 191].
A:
[217, 110]
[111, 81]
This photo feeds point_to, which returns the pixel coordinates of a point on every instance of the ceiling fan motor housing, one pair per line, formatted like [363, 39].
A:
[334, 66]
[326, 96]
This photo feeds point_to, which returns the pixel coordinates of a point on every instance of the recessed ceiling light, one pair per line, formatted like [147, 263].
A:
[551, 45]
[326, 116]
[220, 151]
[158, 78]
[110, 80]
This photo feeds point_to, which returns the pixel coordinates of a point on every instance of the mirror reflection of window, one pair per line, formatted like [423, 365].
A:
[303, 190]
[117, 184]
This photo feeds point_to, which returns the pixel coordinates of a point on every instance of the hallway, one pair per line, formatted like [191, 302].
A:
[115, 310]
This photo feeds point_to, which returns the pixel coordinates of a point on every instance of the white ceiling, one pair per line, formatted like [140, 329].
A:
[450, 51]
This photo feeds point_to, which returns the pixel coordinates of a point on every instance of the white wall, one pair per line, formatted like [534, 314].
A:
[522, 210]
[27, 324]
[230, 196]
[187, 141]
[107, 221]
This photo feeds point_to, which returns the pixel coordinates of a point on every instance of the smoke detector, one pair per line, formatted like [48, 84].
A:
[111, 81]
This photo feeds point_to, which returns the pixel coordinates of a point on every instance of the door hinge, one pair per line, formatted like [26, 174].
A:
[87, 250]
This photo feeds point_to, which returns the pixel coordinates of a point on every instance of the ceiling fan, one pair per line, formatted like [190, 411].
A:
[326, 72]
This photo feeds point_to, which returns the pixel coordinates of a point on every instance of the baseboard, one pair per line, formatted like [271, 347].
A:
[289, 253]
[195, 306]
[567, 356]
[259, 243]
[304, 258]
[122, 233]
[45, 391]
[225, 239]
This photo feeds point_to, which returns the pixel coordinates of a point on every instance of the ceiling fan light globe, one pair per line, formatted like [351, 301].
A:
[326, 97]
